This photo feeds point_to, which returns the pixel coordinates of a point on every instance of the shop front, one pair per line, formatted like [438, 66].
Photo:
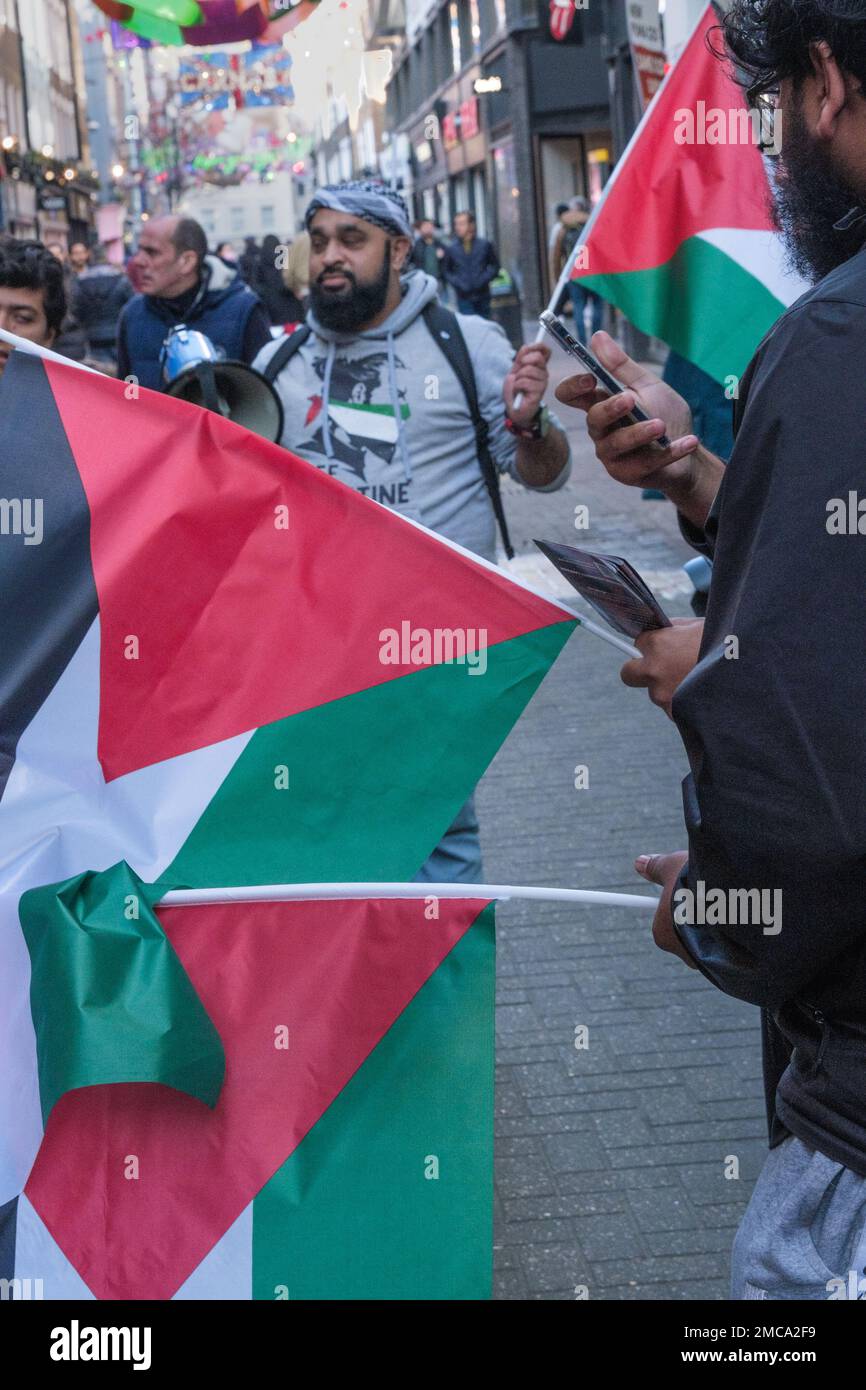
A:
[19, 206]
[449, 159]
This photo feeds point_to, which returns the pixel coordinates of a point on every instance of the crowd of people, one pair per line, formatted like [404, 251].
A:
[764, 692]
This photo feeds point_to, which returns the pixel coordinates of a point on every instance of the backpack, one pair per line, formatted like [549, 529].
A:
[445, 329]
[569, 241]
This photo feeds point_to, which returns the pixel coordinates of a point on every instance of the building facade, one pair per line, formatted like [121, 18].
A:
[47, 189]
[494, 106]
[507, 117]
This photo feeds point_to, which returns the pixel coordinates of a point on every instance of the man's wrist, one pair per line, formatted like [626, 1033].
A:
[694, 489]
[533, 429]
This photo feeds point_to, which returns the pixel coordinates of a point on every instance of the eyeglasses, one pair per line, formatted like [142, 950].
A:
[768, 120]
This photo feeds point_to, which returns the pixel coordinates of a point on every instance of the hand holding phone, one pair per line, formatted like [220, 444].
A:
[606, 379]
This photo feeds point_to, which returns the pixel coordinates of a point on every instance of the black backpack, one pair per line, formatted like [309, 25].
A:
[445, 329]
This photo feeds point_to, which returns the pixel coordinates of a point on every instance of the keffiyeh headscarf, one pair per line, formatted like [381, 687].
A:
[365, 198]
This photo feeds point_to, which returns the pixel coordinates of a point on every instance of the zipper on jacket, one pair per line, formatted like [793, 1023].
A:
[821, 1019]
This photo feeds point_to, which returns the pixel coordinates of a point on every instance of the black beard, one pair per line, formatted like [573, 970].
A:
[809, 197]
[349, 310]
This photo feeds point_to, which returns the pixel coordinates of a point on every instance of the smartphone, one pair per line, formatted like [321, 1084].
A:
[589, 360]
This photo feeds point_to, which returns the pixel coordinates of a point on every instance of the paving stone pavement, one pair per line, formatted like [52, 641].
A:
[611, 1160]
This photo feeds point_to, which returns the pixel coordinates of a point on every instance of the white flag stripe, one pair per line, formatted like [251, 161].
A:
[762, 254]
[226, 1273]
[59, 817]
[38, 1256]
[365, 424]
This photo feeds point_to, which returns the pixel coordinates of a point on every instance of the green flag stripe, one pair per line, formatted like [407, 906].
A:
[701, 302]
[110, 998]
[399, 760]
[363, 408]
[352, 1215]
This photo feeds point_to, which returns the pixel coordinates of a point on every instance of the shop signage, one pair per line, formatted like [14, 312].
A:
[647, 48]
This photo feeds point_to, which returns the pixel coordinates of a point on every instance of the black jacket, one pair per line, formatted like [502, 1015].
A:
[281, 304]
[469, 272]
[776, 738]
[100, 294]
[426, 256]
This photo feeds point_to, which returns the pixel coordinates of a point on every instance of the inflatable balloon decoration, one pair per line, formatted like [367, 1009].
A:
[206, 22]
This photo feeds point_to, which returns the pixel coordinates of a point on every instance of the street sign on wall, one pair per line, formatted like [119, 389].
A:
[647, 46]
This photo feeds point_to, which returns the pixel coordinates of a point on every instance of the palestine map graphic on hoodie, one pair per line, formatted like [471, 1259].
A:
[392, 384]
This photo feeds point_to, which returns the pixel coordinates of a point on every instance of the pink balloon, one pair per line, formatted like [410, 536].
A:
[225, 24]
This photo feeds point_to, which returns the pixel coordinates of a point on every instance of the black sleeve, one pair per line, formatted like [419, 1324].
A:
[701, 538]
[776, 801]
[492, 264]
[448, 267]
[257, 333]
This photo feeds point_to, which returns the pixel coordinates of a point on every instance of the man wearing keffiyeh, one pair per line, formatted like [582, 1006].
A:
[370, 397]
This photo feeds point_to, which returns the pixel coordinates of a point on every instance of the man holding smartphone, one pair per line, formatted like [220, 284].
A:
[771, 713]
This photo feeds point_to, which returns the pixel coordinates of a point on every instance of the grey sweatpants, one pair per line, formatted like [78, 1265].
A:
[804, 1232]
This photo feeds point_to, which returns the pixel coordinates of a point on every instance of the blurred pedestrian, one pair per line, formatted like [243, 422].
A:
[227, 252]
[281, 303]
[296, 271]
[469, 265]
[71, 341]
[182, 284]
[557, 226]
[428, 252]
[79, 256]
[248, 261]
[98, 298]
[574, 222]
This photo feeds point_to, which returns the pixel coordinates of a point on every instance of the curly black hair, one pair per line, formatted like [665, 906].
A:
[28, 265]
[769, 39]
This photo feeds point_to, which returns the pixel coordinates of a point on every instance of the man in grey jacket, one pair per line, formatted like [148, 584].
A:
[371, 398]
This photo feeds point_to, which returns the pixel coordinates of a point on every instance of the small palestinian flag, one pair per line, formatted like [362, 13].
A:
[223, 667]
[310, 1116]
[682, 240]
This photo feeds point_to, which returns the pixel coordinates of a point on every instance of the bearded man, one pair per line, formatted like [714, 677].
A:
[411, 405]
[770, 708]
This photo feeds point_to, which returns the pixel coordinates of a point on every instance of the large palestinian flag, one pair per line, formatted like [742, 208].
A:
[222, 667]
[682, 240]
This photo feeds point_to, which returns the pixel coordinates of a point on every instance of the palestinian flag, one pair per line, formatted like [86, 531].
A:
[222, 667]
[682, 240]
[333, 1139]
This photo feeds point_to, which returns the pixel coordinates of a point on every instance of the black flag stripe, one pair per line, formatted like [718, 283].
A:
[48, 595]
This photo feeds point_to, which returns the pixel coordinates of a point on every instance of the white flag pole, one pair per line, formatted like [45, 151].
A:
[597, 631]
[37, 350]
[294, 892]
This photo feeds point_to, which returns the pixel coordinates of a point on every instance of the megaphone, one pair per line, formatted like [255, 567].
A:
[193, 371]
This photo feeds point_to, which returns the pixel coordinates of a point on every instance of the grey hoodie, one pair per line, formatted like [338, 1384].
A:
[397, 427]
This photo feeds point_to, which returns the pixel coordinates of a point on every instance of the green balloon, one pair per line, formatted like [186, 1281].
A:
[157, 30]
[180, 12]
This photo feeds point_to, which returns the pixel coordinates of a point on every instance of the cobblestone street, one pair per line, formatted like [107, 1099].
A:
[611, 1160]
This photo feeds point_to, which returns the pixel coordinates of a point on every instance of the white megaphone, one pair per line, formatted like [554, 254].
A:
[193, 371]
